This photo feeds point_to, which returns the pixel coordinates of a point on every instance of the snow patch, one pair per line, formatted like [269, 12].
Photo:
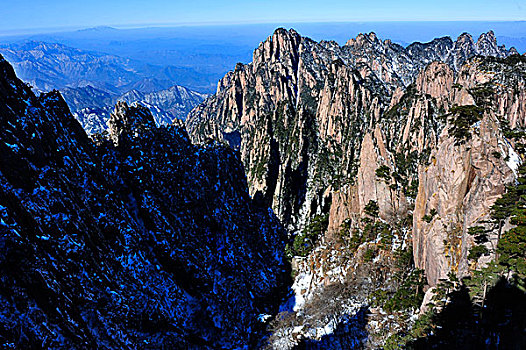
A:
[514, 160]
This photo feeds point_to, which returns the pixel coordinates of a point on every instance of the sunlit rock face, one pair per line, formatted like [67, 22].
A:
[466, 176]
[316, 120]
[327, 129]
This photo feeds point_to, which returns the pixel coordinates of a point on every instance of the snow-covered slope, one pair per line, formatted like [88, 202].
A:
[92, 107]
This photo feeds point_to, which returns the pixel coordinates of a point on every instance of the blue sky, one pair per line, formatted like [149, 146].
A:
[18, 15]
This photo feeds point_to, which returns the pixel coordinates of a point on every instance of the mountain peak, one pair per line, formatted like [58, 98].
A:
[487, 37]
[281, 42]
[283, 35]
[465, 38]
[98, 29]
[363, 39]
[281, 31]
[487, 46]
[55, 98]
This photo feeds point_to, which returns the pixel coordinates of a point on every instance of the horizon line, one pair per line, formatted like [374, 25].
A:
[62, 29]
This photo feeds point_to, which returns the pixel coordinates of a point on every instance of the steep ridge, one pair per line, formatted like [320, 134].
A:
[398, 66]
[145, 241]
[396, 148]
[307, 106]
[273, 102]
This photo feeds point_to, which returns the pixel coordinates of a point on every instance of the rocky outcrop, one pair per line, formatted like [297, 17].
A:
[398, 146]
[126, 122]
[151, 243]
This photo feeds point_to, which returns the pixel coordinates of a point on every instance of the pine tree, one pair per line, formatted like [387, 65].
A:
[481, 237]
[511, 247]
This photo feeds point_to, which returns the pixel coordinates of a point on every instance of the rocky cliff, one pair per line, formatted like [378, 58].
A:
[303, 112]
[144, 242]
[421, 132]
[305, 105]
[274, 103]
[474, 159]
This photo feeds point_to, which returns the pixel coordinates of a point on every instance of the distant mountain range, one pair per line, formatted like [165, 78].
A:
[49, 66]
[93, 82]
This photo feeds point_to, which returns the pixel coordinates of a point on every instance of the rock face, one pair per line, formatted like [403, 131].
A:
[297, 102]
[466, 176]
[324, 129]
[149, 243]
